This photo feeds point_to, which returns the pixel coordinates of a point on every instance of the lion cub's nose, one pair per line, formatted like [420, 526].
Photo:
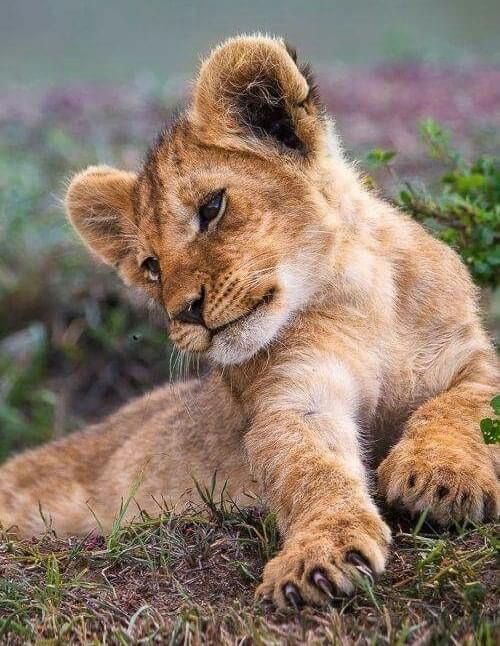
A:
[193, 312]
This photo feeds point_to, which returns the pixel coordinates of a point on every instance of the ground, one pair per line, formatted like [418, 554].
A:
[189, 579]
[74, 345]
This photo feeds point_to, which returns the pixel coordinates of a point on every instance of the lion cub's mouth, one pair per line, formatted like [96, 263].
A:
[260, 304]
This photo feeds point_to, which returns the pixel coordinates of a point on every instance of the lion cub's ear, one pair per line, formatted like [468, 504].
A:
[250, 93]
[99, 204]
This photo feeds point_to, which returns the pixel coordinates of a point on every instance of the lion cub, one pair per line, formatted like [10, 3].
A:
[334, 324]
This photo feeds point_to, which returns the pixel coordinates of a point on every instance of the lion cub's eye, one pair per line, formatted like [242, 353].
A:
[152, 268]
[212, 210]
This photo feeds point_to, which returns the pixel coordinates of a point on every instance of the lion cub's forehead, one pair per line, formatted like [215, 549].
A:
[181, 171]
[171, 157]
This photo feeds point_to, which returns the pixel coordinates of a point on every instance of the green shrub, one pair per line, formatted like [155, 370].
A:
[462, 209]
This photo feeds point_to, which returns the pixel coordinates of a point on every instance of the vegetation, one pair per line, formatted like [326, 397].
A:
[73, 345]
[188, 579]
[462, 209]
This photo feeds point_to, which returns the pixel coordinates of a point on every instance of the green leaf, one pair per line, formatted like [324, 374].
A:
[490, 428]
[378, 157]
[406, 197]
[438, 141]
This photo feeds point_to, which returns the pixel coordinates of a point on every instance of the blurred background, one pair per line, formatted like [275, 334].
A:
[83, 81]
[119, 40]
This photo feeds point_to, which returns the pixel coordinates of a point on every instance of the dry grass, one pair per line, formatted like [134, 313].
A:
[188, 579]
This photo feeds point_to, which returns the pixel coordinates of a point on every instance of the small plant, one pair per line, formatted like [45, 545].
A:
[463, 210]
[490, 427]
[379, 158]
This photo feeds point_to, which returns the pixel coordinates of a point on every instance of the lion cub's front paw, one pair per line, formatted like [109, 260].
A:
[452, 482]
[326, 560]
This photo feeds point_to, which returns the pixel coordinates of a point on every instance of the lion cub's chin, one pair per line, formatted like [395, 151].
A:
[242, 340]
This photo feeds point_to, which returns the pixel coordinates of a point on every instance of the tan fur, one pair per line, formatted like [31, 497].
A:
[337, 328]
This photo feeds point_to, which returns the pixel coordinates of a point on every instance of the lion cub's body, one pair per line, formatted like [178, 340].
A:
[162, 440]
[338, 328]
[179, 432]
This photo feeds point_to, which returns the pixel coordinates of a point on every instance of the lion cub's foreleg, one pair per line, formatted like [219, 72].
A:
[303, 446]
[442, 463]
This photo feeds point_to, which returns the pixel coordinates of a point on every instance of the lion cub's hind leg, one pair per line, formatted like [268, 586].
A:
[442, 463]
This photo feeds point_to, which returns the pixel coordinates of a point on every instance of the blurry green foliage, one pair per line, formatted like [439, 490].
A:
[26, 407]
[463, 209]
[378, 158]
[67, 334]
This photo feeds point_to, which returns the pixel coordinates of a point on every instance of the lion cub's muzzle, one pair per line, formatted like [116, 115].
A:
[194, 326]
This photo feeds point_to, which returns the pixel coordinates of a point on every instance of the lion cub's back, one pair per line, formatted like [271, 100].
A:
[96, 467]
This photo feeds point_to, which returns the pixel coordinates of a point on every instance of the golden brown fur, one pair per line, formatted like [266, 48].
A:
[336, 326]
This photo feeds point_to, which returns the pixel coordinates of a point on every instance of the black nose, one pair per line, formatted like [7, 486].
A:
[193, 312]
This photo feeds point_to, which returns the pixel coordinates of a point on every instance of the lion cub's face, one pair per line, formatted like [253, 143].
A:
[224, 226]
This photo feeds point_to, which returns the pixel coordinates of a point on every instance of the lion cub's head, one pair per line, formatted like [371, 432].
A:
[226, 225]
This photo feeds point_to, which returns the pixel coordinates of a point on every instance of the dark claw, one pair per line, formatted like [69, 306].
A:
[442, 492]
[266, 602]
[293, 597]
[361, 564]
[489, 507]
[323, 583]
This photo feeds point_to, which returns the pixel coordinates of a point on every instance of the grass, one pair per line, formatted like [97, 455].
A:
[189, 578]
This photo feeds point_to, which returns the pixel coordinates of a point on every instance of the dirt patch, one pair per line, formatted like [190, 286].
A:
[190, 579]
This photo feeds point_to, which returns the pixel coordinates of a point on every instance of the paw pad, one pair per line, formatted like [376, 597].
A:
[451, 484]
